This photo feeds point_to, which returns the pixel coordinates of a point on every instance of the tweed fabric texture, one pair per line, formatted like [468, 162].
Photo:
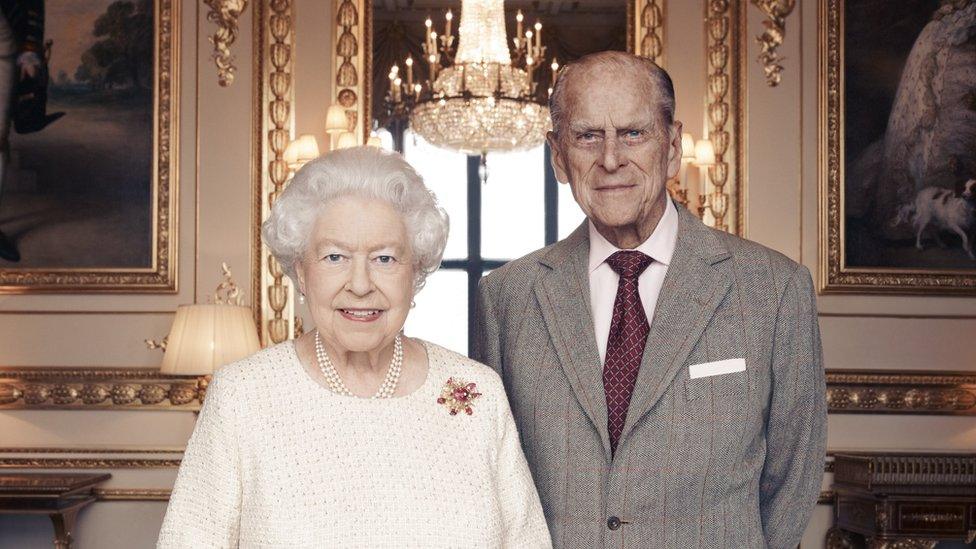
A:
[731, 460]
[277, 460]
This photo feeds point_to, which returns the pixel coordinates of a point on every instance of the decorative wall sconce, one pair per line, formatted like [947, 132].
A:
[336, 123]
[301, 151]
[679, 186]
[347, 140]
[704, 159]
[205, 337]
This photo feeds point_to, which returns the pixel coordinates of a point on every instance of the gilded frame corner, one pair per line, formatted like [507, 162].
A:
[161, 276]
[834, 275]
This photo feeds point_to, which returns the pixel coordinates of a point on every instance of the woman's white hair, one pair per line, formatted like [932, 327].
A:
[362, 171]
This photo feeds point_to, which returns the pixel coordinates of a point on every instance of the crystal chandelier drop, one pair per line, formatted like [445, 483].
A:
[480, 97]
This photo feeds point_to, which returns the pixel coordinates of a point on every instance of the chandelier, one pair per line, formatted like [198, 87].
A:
[479, 97]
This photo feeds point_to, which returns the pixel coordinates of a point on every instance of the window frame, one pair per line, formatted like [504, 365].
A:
[475, 264]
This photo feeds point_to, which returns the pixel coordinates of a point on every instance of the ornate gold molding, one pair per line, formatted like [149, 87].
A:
[826, 497]
[724, 112]
[901, 392]
[352, 62]
[274, 95]
[776, 12]
[834, 274]
[90, 458]
[161, 276]
[86, 463]
[224, 13]
[82, 450]
[848, 391]
[132, 494]
[39, 388]
[646, 35]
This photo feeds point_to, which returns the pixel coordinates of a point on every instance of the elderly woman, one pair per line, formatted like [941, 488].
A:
[355, 435]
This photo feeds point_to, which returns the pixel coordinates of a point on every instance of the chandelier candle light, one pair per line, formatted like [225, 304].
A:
[480, 97]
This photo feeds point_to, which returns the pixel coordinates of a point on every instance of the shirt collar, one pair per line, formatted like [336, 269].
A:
[659, 246]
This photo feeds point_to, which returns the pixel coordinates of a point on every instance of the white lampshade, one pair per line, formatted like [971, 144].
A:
[206, 337]
[687, 147]
[347, 140]
[704, 153]
[301, 150]
[336, 120]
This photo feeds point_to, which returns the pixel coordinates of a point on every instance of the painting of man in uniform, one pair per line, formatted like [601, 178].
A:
[910, 134]
[76, 187]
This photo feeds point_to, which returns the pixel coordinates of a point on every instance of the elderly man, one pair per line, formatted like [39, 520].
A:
[666, 378]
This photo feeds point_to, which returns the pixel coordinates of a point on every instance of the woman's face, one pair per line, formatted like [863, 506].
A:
[357, 274]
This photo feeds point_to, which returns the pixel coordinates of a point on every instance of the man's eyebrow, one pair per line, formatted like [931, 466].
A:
[579, 127]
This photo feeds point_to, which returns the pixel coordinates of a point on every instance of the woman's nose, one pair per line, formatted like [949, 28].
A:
[360, 282]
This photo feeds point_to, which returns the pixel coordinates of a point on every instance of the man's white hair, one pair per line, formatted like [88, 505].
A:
[658, 79]
[362, 171]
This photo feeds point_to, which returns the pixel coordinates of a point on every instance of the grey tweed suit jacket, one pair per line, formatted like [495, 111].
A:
[726, 461]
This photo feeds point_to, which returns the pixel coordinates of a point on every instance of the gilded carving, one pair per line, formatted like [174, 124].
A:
[881, 391]
[648, 37]
[90, 458]
[901, 544]
[132, 494]
[839, 539]
[274, 60]
[776, 12]
[98, 388]
[86, 463]
[224, 13]
[723, 22]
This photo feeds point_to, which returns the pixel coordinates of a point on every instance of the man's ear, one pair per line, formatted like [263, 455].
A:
[674, 149]
[558, 158]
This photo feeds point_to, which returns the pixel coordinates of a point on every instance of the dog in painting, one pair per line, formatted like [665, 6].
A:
[942, 210]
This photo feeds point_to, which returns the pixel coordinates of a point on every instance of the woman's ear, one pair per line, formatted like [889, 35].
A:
[300, 275]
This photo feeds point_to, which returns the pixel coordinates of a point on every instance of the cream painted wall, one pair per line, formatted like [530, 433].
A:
[108, 330]
[858, 331]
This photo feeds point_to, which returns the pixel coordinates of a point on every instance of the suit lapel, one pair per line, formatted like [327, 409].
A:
[693, 288]
[564, 298]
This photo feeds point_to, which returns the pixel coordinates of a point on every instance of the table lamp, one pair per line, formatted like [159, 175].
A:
[205, 337]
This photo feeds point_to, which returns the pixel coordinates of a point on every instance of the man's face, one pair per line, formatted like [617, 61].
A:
[614, 149]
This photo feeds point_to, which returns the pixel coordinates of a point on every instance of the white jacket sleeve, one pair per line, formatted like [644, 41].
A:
[522, 519]
[204, 509]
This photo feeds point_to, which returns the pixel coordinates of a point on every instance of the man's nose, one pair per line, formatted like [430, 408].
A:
[612, 157]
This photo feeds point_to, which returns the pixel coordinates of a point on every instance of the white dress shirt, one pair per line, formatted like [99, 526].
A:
[603, 279]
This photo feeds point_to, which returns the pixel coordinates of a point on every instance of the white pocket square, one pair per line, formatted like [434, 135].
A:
[719, 367]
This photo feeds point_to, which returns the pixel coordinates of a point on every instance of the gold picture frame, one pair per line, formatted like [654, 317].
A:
[161, 275]
[835, 275]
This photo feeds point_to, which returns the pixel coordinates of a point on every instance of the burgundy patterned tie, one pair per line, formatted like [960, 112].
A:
[625, 346]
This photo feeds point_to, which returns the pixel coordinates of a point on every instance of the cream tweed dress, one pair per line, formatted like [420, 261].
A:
[278, 460]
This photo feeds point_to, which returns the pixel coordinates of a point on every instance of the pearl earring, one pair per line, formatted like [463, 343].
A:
[301, 299]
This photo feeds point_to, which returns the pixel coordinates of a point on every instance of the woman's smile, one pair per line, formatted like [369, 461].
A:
[361, 315]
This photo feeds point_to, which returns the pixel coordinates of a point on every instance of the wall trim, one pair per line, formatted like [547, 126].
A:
[915, 392]
[132, 494]
[90, 458]
[72, 388]
[849, 391]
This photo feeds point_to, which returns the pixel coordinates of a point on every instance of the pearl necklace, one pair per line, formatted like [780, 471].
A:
[328, 370]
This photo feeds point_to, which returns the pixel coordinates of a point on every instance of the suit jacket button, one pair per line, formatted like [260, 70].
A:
[613, 523]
